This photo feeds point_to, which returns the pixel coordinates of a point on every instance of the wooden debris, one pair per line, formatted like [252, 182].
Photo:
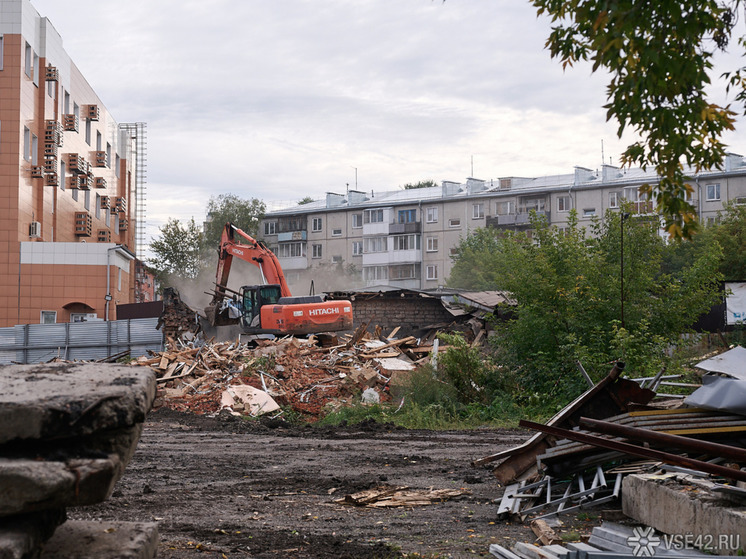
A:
[399, 496]
[544, 532]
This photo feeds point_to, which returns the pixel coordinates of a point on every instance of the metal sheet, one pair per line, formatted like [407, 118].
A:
[732, 362]
[720, 393]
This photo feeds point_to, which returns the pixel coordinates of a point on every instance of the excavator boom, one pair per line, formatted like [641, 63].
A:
[268, 308]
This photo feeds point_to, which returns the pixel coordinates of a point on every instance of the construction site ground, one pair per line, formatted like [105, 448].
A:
[228, 487]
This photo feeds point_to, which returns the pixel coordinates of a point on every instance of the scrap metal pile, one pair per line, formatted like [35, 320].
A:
[308, 376]
[579, 458]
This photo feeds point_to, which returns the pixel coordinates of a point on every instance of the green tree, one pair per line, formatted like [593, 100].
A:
[422, 184]
[569, 291]
[244, 213]
[305, 200]
[659, 55]
[730, 234]
[177, 251]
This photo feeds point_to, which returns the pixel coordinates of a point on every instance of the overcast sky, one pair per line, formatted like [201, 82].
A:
[281, 99]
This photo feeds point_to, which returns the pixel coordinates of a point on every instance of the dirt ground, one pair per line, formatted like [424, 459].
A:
[225, 487]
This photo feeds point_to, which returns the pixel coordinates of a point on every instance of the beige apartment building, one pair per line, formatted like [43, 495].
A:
[406, 238]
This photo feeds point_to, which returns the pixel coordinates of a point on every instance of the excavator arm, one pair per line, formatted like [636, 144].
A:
[250, 250]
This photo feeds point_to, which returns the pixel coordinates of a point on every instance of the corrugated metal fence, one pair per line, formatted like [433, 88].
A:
[87, 341]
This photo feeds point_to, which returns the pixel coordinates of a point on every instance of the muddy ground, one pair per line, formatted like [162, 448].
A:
[224, 487]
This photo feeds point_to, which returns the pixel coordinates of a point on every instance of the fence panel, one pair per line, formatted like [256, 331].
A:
[84, 341]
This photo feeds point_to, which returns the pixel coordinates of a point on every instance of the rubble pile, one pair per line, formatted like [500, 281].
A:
[309, 376]
[67, 431]
[619, 435]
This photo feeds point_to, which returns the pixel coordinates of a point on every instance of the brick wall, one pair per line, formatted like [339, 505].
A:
[410, 313]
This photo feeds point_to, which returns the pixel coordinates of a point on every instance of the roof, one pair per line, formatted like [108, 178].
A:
[581, 179]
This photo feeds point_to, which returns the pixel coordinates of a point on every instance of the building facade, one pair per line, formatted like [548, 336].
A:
[406, 238]
[68, 188]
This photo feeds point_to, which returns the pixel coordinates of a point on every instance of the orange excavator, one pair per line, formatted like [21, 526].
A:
[268, 308]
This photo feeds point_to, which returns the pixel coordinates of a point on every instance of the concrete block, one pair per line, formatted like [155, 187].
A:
[685, 510]
[30, 485]
[21, 536]
[63, 400]
[103, 540]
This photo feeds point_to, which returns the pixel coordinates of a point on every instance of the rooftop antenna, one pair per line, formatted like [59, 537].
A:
[602, 152]
[472, 167]
[348, 184]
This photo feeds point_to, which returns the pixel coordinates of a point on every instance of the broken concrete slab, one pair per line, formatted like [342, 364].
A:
[66, 400]
[103, 540]
[30, 485]
[21, 536]
[672, 506]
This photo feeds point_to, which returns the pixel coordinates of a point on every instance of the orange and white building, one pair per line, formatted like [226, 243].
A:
[68, 183]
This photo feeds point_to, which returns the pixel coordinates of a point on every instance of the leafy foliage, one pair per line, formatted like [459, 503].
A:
[243, 213]
[570, 299]
[659, 54]
[422, 184]
[730, 234]
[305, 200]
[177, 251]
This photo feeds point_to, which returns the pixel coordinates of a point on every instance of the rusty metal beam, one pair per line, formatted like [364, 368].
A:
[675, 441]
[633, 450]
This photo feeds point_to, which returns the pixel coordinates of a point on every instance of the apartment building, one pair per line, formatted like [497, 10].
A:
[406, 238]
[68, 183]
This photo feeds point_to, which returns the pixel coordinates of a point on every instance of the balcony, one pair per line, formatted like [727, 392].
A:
[293, 262]
[292, 236]
[400, 228]
[515, 220]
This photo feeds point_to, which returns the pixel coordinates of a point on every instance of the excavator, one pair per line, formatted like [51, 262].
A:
[268, 308]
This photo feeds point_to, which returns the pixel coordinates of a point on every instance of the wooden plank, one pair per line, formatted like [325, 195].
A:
[393, 332]
[544, 532]
[395, 343]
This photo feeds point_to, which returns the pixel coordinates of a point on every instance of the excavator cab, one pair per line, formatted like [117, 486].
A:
[253, 298]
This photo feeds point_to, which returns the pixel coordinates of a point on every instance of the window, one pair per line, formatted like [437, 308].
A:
[99, 141]
[316, 251]
[432, 214]
[454, 223]
[453, 251]
[87, 201]
[116, 167]
[407, 216]
[74, 193]
[34, 149]
[316, 224]
[98, 206]
[402, 272]
[48, 317]
[374, 273]
[27, 60]
[406, 242]
[713, 192]
[107, 214]
[51, 90]
[432, 244]
[88, 127]
[270, 227]
[357, 221]
[336, 232]
[613, 199]
[66, 102]
[26, 144]
[589, 212]
[63, 175]
[504, 208]
[357, 248]
[477, 211]
[431, 272]
[291, 250]
[373, 216]
[563, 204]
[36, 69]
[108, 154]
[528, 204]
[1, 52]
[375, 244]
[336, 259]
[76, 110]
